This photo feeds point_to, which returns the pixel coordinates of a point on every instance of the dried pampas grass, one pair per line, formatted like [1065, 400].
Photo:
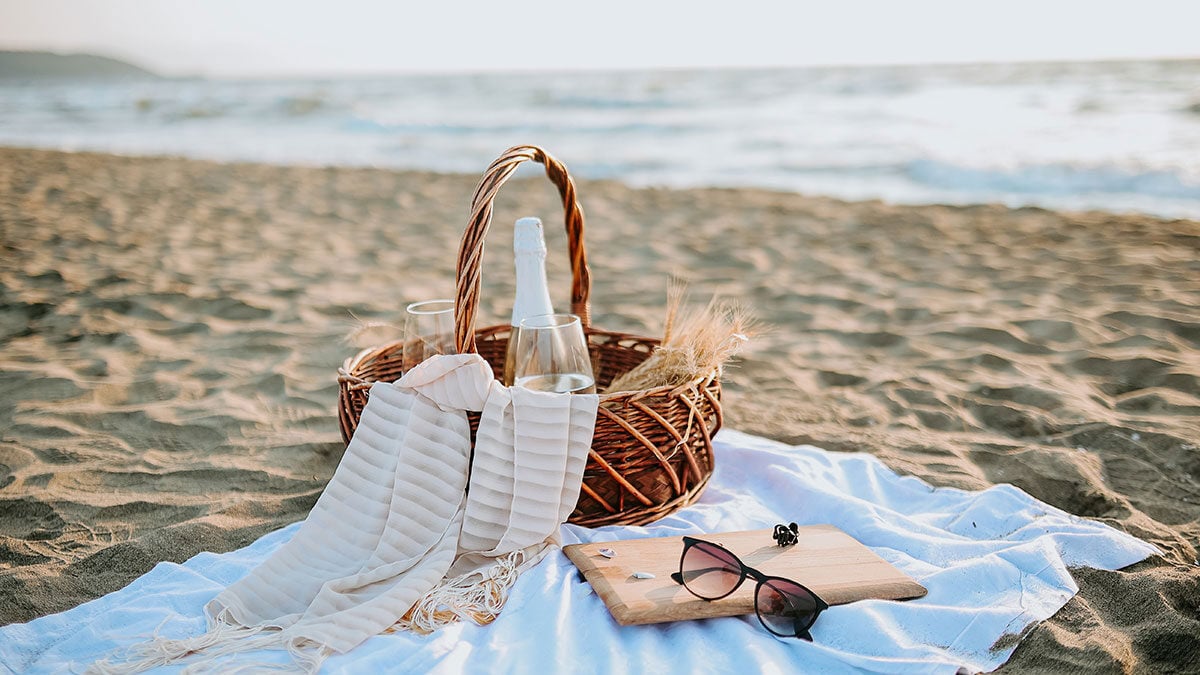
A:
[696, 344]
[371, 333]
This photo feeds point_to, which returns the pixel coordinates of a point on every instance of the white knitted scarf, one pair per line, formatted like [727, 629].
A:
[397, 533]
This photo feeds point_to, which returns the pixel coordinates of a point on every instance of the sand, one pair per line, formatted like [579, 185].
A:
[170, 332]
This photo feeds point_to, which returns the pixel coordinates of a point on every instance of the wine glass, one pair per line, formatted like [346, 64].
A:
[428, 331]
[552, 355]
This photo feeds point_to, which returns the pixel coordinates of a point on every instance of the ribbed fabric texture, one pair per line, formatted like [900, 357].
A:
[383, 533]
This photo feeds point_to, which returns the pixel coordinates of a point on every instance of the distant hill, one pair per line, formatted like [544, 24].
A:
[48, 65]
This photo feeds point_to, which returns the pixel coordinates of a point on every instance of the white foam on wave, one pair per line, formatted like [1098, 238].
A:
[1054, 180]
[1115, 136]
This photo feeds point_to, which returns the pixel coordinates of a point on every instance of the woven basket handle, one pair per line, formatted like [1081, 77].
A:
[470, 251]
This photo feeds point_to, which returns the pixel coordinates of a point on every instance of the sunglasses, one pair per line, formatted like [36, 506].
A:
[710, 572]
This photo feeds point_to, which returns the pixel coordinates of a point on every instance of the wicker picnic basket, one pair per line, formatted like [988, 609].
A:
[652, 449]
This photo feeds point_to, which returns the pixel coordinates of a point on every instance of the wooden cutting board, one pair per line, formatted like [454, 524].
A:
[830, 562]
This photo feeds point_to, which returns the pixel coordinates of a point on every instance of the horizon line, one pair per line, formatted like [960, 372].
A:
[523, 70]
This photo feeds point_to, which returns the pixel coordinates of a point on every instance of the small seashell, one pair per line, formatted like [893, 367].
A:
[643, 575]
[607, 552]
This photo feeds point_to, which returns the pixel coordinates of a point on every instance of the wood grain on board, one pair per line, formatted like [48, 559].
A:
[830, 562]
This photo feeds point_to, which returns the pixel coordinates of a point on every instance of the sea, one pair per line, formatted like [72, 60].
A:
[1118, 136]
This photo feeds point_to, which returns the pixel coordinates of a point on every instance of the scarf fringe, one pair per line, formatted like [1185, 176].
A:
[477, 596]
[308, 658]
[204, 651]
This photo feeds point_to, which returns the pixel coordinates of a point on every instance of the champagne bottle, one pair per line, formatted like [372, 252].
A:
[533, 296]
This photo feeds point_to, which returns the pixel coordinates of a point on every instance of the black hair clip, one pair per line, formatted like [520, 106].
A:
[786, 535]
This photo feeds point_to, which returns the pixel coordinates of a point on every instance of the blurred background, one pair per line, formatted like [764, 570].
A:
[1073, 105]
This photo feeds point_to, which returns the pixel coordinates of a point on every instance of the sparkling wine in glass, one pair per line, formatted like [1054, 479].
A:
[552, 355]
[428, 331]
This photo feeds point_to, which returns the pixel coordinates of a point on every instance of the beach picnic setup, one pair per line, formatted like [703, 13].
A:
[548, 495]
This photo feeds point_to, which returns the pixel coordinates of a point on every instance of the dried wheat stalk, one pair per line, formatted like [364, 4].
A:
[367, 333]
[696, 344]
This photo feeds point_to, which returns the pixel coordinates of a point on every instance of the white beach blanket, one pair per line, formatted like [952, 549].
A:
[995, 562]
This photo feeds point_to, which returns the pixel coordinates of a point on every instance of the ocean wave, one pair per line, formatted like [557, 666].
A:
[200, 111]
[1112, 136]
[549, 99]
[361, 124]
[302, 106]
[1051, 179]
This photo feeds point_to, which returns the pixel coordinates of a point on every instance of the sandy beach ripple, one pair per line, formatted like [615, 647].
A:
[170, 332]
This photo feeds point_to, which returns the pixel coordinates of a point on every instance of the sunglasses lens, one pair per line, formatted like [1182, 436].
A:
[710, 572]
[785, 608]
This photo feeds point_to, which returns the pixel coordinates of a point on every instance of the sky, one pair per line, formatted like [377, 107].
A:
[249, 38]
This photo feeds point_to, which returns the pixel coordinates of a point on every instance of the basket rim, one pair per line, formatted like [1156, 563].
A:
[347, 377]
